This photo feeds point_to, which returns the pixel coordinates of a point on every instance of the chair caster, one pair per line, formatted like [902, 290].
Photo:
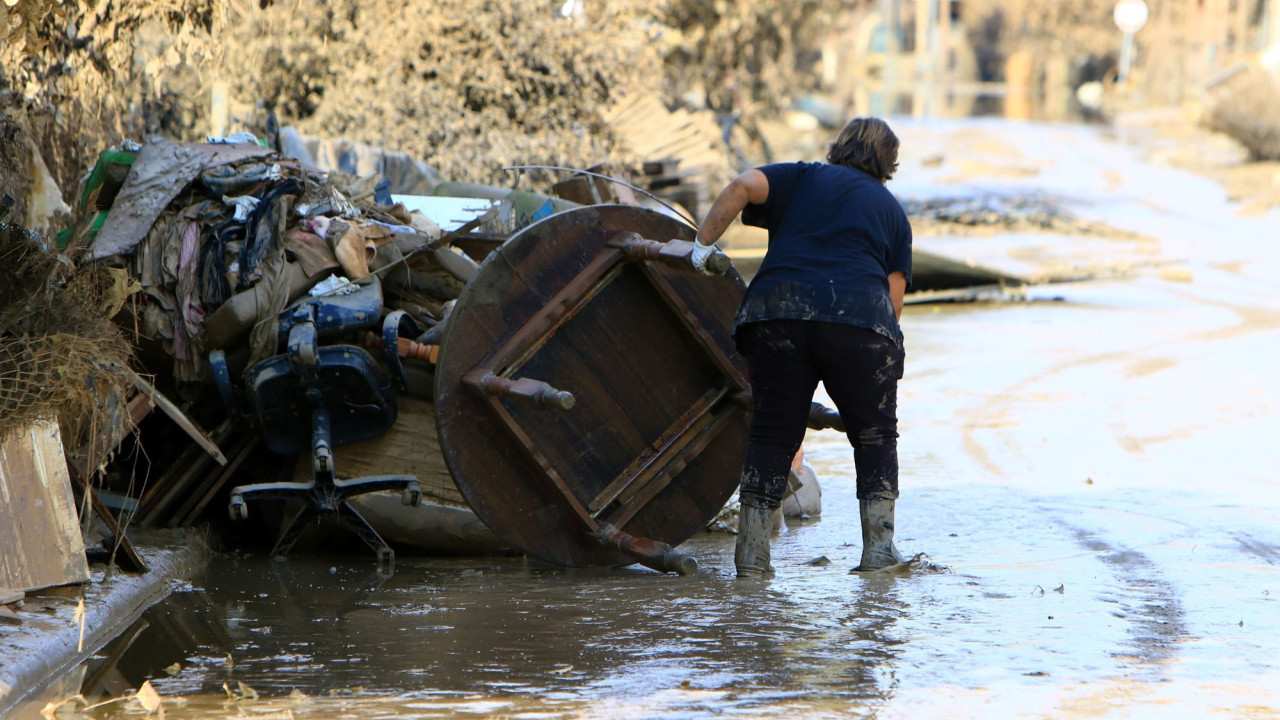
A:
[238, 509]
[411, 496]
[386, 562]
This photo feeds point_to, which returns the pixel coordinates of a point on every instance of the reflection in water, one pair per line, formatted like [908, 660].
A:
[509, 632]
[1047, 608]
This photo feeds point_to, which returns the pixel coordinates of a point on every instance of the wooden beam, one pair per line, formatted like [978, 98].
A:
[176, 414]
[131, 560]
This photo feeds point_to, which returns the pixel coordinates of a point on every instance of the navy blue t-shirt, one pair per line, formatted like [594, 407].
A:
[835, 234]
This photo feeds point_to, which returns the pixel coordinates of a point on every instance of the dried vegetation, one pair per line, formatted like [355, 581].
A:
[59, 353]
[745, 56]
[466, 85]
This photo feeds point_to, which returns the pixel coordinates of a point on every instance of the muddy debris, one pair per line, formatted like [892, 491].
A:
[995, 212]
[1246, 106]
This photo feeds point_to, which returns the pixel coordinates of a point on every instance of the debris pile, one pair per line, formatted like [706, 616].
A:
[1246, 106]
[1036, 211]
[467, 87]
[213, 247]
[221, 237]
[60, 356]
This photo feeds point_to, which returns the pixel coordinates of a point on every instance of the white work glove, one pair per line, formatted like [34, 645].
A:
[700, 254]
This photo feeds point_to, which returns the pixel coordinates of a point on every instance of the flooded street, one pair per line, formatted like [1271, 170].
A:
[1090, 474]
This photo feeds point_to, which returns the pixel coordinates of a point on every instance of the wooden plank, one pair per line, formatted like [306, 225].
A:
[186, 483]
[131, 560]
[155, 488]
[641, 496]
[187, 476]
[651, 458]
[195, 505]
[179, 417]
[139, 407]
[411, 446]
[39, 529]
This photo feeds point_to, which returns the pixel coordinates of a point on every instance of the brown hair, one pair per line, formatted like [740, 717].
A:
[868, 145]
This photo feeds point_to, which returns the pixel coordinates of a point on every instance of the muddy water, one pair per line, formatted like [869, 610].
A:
[1091, 474]
[1080, 583]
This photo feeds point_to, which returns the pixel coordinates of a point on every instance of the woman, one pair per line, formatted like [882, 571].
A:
[824, 306]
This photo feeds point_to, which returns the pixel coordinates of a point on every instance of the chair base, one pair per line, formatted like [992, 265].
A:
[328, 498]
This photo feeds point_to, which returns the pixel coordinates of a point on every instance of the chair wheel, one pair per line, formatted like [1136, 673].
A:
[411, 496]
[237, 509]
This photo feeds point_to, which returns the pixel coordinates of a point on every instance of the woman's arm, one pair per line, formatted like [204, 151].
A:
[897, 289]
[750, 187]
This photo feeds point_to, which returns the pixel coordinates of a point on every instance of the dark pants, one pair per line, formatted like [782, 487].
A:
[859, 368]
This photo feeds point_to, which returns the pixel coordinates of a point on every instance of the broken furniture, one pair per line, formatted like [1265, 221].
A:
[590, 404]
[313, 397]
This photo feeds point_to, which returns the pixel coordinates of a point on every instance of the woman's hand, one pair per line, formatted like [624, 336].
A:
[699, 257]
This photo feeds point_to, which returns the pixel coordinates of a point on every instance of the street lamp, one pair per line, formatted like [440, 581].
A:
[1130, 16]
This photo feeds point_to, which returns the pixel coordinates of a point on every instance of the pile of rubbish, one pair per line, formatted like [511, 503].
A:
[1036, 211]
[228, 275]
[203, 251]
[1246, 105]
[219, 238]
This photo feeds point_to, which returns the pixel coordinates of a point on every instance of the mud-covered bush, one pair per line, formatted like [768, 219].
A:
[467, 85]
[1248, 109]
[739, 54]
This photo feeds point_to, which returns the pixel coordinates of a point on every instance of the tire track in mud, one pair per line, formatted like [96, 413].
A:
[1270, 554]
[1152, 608]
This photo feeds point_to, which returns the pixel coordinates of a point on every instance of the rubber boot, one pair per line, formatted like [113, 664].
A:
[878, 550]
[755, 526]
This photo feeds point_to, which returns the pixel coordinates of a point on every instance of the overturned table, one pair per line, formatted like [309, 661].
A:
[590, 405]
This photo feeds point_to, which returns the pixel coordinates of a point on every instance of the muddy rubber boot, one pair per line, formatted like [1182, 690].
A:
[878, 550]
[755, 526]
